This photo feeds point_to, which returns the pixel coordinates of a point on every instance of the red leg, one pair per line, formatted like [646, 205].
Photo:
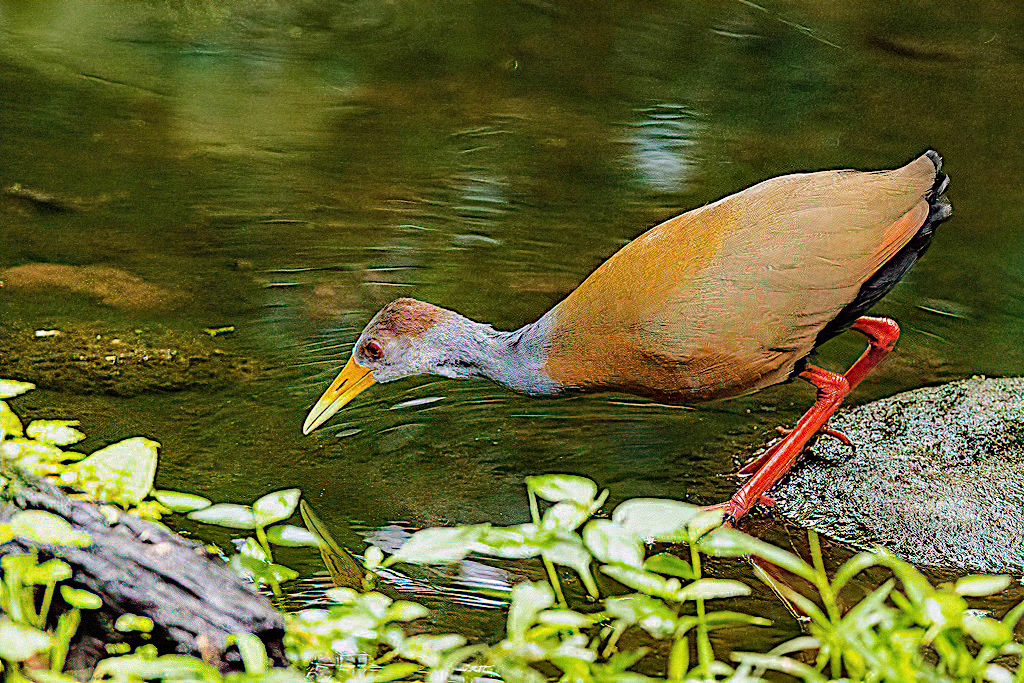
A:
[882, 334]
[832, 389]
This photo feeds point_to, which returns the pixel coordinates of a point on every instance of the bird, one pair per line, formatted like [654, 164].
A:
[721, 301]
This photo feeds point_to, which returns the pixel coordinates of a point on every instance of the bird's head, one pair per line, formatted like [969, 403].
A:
[406, 337]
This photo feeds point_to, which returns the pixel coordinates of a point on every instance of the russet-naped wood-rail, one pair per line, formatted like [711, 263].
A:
[723, 300]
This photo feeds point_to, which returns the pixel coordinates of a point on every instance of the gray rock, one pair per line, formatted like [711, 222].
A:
[936, 476]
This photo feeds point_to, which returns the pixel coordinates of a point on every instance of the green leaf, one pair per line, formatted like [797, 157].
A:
[710, 589]
[568, 551]
[728, 618]
[19, 642]
[167, 667]
[120, 473]
[980, 586]
[528, 599]
[9, 388]
[127, 623]
[43, 527]
[986, 630]
[516, 542]
[20, 448]
[252, 650]
[292, 536]
[10, 425]
[391, 672]
[276, 506]
[724, 542]
[656, 519]
[567, 618]
[665, 563]
[81, 599]
[610, 543]
[54, 432]
[403, 610]
[438, 545]
[559, 487]
[565, 515]
[651, 614]
[429, 649]
[180, 502]
[51, 571]
[227, 515]
[645, 582]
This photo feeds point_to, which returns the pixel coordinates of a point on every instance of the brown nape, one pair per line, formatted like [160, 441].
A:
[408, 317]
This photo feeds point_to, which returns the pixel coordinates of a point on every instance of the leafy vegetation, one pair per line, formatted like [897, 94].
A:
[906, 629]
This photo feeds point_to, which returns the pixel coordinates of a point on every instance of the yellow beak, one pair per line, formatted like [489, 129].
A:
[352, 380]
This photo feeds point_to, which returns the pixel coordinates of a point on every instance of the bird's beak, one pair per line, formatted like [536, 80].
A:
[353, 379]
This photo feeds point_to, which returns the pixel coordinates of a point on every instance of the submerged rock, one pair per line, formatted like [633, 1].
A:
[112, 286]
[87, 362]
[936, 476]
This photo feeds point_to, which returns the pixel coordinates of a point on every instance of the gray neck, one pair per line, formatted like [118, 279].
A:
[515, 359]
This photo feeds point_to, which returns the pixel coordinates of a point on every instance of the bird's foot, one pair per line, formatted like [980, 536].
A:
[756, 464]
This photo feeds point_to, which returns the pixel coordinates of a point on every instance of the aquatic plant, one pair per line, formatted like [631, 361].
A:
[905, 629]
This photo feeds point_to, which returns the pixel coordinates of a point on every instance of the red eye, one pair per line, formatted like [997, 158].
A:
[372, 350]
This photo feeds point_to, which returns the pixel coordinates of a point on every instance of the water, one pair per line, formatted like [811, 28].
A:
[288, 168]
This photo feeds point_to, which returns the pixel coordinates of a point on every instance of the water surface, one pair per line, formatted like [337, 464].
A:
[288, 168]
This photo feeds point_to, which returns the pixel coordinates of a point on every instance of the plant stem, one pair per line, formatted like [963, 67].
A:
[261, 536]
[548, 565]
[828, 597]
[705, 653]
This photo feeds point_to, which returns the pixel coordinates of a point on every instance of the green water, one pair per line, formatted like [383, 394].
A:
[289, 167]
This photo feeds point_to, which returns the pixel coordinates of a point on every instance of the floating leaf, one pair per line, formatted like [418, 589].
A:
[9, 388]
[276, 506]
[226, 514]
[182, 502]
[121, 473]
[444, 544]
[292, 536]
[43, 527]
[558, 487]
[80, 598]
[54, 432]
[19, 642]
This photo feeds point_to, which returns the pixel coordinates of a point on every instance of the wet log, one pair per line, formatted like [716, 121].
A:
[137, 567]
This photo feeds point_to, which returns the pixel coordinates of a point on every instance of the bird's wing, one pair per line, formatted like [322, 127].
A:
[733, 293]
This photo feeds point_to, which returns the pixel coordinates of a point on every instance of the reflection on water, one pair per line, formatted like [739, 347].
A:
[288, 168]
[663, 142]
